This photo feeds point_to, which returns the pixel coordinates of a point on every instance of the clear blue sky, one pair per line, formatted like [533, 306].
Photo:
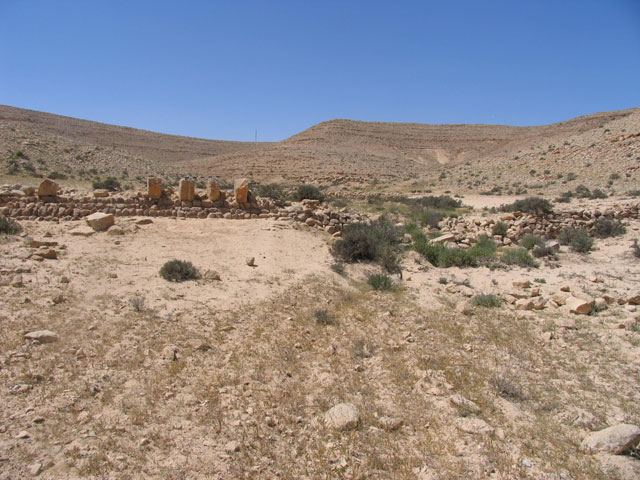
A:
[222, 69]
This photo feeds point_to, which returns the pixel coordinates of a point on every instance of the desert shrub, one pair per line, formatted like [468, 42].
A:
[564, 197]
[179, 271]
[635, 248]
[606, 227]
[597, 193]
[577, 238]
[308, 192]
[500, 228]
[380, 282]
[571, 176]
[376, 241]
[9, 226]
[583, 192]
[430, 217]
[324, 318]
[530, 241]
[108, 183]
[137, 303]
[445, 257]
[543, 251]
[529, 205]
[518, 256]
[634, 193]
[440, 202]
[338, 267]
[487, 301]
[55, 175]
[337, 202]
[274, 191]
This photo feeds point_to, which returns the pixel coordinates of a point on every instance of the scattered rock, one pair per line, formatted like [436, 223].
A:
[251, 261]
[115, 231]
[522, 284]
[82, 231]
[43, 336]
[473, 425]
[232, 447]
[464, 403]
[578, 306]
[465, 307]
[343, 416]
[390, 424]
[144, 221]
[525, 304]
[617, 439]
[100, 221]
[35, 469]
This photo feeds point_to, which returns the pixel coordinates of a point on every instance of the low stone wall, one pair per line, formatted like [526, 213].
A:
[17, 204]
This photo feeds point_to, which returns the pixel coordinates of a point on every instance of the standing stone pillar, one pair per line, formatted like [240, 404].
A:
[241, 189]
[187, 190]
[213, 190]
[154, 187]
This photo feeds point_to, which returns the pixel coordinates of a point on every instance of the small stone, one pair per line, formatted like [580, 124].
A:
[43, 336]
[390, 424]
[232, 447]
[473, 425]
[251, 261]
[35, 469]
[23, 435]
[464, 403]
[144, 221]
[565, 288]
[525, 304]
[522, 284]
[48, 188]
[115, 231]
[343, 416]
[465, 307]
[617, 439]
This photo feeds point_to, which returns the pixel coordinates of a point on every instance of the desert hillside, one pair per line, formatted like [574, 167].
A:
[342, 154]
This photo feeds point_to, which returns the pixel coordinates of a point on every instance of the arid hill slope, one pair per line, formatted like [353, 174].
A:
[336, 152]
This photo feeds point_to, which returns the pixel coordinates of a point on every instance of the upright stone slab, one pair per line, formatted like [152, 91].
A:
[187, 190]
[48, 188]
[213, 190]
[154, 187]
[241, 189]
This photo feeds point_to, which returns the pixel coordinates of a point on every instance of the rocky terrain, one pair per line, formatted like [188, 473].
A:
[483, 341]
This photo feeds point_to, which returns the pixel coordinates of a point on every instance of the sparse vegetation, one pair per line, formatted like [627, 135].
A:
[9, 226]
[635, 248]
[138, 303]
[376, 241]
[179, 271]
[324, 318]
[273, 191]
[606, 227]
[530, 241]
[500, 228]
[543, 251]
[380, 282]
[308, 192]
[519, 256]
[486, 301]
[529, 205]
[444, 257]
[577, 238]
[109, 183]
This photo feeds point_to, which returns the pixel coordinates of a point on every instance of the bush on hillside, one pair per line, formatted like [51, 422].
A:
[308, 192]
[530, 241]
[108, 183]
[606, 227]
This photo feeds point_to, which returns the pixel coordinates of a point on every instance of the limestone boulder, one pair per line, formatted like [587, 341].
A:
[617, 439]
[241, 189]
[43, 336]
[100, 221]
[48, 188]
[578, 306]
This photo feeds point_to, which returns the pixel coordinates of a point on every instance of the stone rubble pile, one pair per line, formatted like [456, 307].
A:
[54, 204]
[464, 231]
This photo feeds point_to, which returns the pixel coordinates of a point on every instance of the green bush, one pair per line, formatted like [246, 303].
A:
[376, 241]
[518, 256]
[324, 318]
[487, 301]
[606, 227]
[308, 192]
[597, 193]
[445, 257]
[530, 241]
[430, 217]
[500, 228]
[9, 226]
[577, 238]
[380, 282]
[274, 191]
[529, 205]
[635, 248]
[179, 271]
[108, 183]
